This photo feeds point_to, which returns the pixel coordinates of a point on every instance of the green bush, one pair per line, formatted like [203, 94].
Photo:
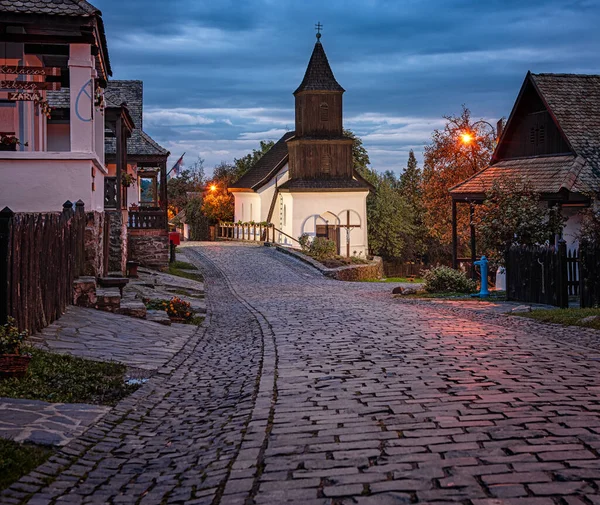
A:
[322, 249]
[447, 280]
[304, 241]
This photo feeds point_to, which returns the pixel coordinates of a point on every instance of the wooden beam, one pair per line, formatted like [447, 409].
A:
[24, 70]
[34, 38]
[29, 86]
[473, 243]
[53, 48]
[454, 237]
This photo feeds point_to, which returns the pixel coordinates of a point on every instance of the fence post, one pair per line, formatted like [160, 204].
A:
[6, 216]
[562, 279]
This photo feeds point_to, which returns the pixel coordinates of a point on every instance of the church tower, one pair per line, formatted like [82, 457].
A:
[319, 151]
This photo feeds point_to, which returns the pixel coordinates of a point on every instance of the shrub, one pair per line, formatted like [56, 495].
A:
[175, 307]
[304, 241]
[10, 338]
[322, 249]
[447, 280]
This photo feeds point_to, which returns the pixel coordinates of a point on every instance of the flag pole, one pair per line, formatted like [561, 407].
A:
[176, 163]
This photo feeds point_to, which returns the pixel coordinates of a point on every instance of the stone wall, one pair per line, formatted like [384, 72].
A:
[117, 256]
[94, 244]
[372, 270]
[150, 248]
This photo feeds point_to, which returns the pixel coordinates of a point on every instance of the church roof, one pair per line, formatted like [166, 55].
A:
[50, 7]
[265, 167]
[319, 76]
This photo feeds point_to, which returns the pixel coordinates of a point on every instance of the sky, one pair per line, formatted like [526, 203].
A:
[219, 74]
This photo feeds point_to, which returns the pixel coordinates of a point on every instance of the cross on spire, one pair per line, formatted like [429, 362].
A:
[318, 27]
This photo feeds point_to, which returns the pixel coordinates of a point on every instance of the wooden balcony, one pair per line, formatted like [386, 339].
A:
[143, 219]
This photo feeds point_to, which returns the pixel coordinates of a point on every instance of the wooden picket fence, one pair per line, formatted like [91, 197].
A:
[551, 275]
[40, 256]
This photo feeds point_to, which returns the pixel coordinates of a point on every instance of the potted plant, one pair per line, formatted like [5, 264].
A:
[127, 180]
[179, 310]
[9, 142]
[13, 363]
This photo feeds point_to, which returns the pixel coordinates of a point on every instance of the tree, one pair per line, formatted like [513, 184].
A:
[245, 163]
[390, 224]
[410, 186]
[190, 180]
[512, 214]
[448, 161]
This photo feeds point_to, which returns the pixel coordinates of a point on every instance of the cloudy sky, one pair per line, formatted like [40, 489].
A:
[219, 74]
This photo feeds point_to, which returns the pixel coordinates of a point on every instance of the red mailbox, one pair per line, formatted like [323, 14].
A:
[174, 237]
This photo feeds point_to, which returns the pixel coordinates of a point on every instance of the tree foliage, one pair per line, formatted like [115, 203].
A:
[190, 180]
[512, 214]
[448, 161]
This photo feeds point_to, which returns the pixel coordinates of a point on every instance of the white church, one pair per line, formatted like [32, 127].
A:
[306, 182]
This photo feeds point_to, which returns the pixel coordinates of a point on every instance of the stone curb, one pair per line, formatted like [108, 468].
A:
[333, 273]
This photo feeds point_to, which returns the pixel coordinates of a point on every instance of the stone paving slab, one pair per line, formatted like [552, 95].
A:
[46, 423]
[103, 336]
[304, 390]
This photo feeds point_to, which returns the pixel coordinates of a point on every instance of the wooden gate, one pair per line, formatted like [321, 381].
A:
[589, 268]
[330, 232]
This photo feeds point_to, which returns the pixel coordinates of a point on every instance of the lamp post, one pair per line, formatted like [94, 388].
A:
[468, 136]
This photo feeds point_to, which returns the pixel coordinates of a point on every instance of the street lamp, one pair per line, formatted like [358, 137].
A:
[468, 137]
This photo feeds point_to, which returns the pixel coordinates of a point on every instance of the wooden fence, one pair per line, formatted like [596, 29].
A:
[589, 271]
[147, 219]
[537, 275]
[395, 269]
[40, 256]
[245, 231]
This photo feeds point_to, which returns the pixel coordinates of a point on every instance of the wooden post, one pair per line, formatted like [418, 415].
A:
[473, 243]
[6, 217]
[119, 155]
[164, 204]
[348, 233]
[454, 237]
[561, 276]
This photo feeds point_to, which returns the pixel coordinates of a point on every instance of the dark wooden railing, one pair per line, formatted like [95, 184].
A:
[589, 266]
[110, 192]
[40, 256]
[147, 219]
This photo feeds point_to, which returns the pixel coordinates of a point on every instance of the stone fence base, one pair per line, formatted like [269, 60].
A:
[371, 270]
[94, 237]
[150, 248]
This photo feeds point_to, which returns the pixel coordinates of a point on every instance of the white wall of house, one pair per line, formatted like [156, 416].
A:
[42, 182]
[59, 137]
[312, 209]
[572, 226]
[247, 206]
[268, 190]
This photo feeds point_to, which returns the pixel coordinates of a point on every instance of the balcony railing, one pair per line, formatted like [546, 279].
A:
[148, 219]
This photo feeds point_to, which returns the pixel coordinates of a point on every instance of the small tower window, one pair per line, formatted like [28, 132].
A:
[326, 164]
[324, 112]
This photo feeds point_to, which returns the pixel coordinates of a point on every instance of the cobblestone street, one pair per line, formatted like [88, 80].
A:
[305, 390]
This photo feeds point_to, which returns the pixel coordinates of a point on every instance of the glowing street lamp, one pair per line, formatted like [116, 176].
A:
[213, 187]
[466, 138]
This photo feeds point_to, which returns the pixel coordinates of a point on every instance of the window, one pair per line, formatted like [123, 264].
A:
[285, 215]
[242, 216]
[250, 212]
[326, 164]
[324, 112]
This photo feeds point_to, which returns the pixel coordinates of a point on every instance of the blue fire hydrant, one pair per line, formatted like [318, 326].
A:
[483, 266]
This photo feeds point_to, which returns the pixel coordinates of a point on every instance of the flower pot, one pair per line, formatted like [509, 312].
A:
[14, 365]
[8, 147]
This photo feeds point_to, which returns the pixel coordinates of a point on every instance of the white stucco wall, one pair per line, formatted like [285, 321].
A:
[311, 209]
[572, 226]
[247, 207]
[268, 190]
[40, 185]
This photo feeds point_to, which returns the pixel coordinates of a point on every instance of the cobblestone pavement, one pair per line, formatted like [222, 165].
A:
[311, 391]
[93, 334]
[46, 423]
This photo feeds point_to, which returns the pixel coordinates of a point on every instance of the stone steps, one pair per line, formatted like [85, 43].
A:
[108, 299]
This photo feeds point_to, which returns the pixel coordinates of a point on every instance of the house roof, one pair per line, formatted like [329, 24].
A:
[319, 76]
[574, 100]
[49, 7]
[547, 174]
[323, 185]
[265, 167]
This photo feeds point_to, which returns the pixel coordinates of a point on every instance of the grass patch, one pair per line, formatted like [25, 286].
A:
[499, 296]
[185, 265]
[566, 317]
[61, 378]
[177, 271]
[185, 292]
[196, 320]
[18, 459]
[415, 280]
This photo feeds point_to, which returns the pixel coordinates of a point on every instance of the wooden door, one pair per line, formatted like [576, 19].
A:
[330, 232]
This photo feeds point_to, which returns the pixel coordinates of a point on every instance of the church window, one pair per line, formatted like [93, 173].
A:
[242, 216]
[326, 164]
[285, 215]
[324, 112]
[250, 212]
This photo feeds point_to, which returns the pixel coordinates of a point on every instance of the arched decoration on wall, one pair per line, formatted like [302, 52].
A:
[324, 112]
[331, 218]
[355, 219]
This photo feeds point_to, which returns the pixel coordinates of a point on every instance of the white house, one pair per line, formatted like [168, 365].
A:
[306, 182]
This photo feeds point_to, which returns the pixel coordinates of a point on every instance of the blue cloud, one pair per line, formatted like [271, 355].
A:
[217, 75]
